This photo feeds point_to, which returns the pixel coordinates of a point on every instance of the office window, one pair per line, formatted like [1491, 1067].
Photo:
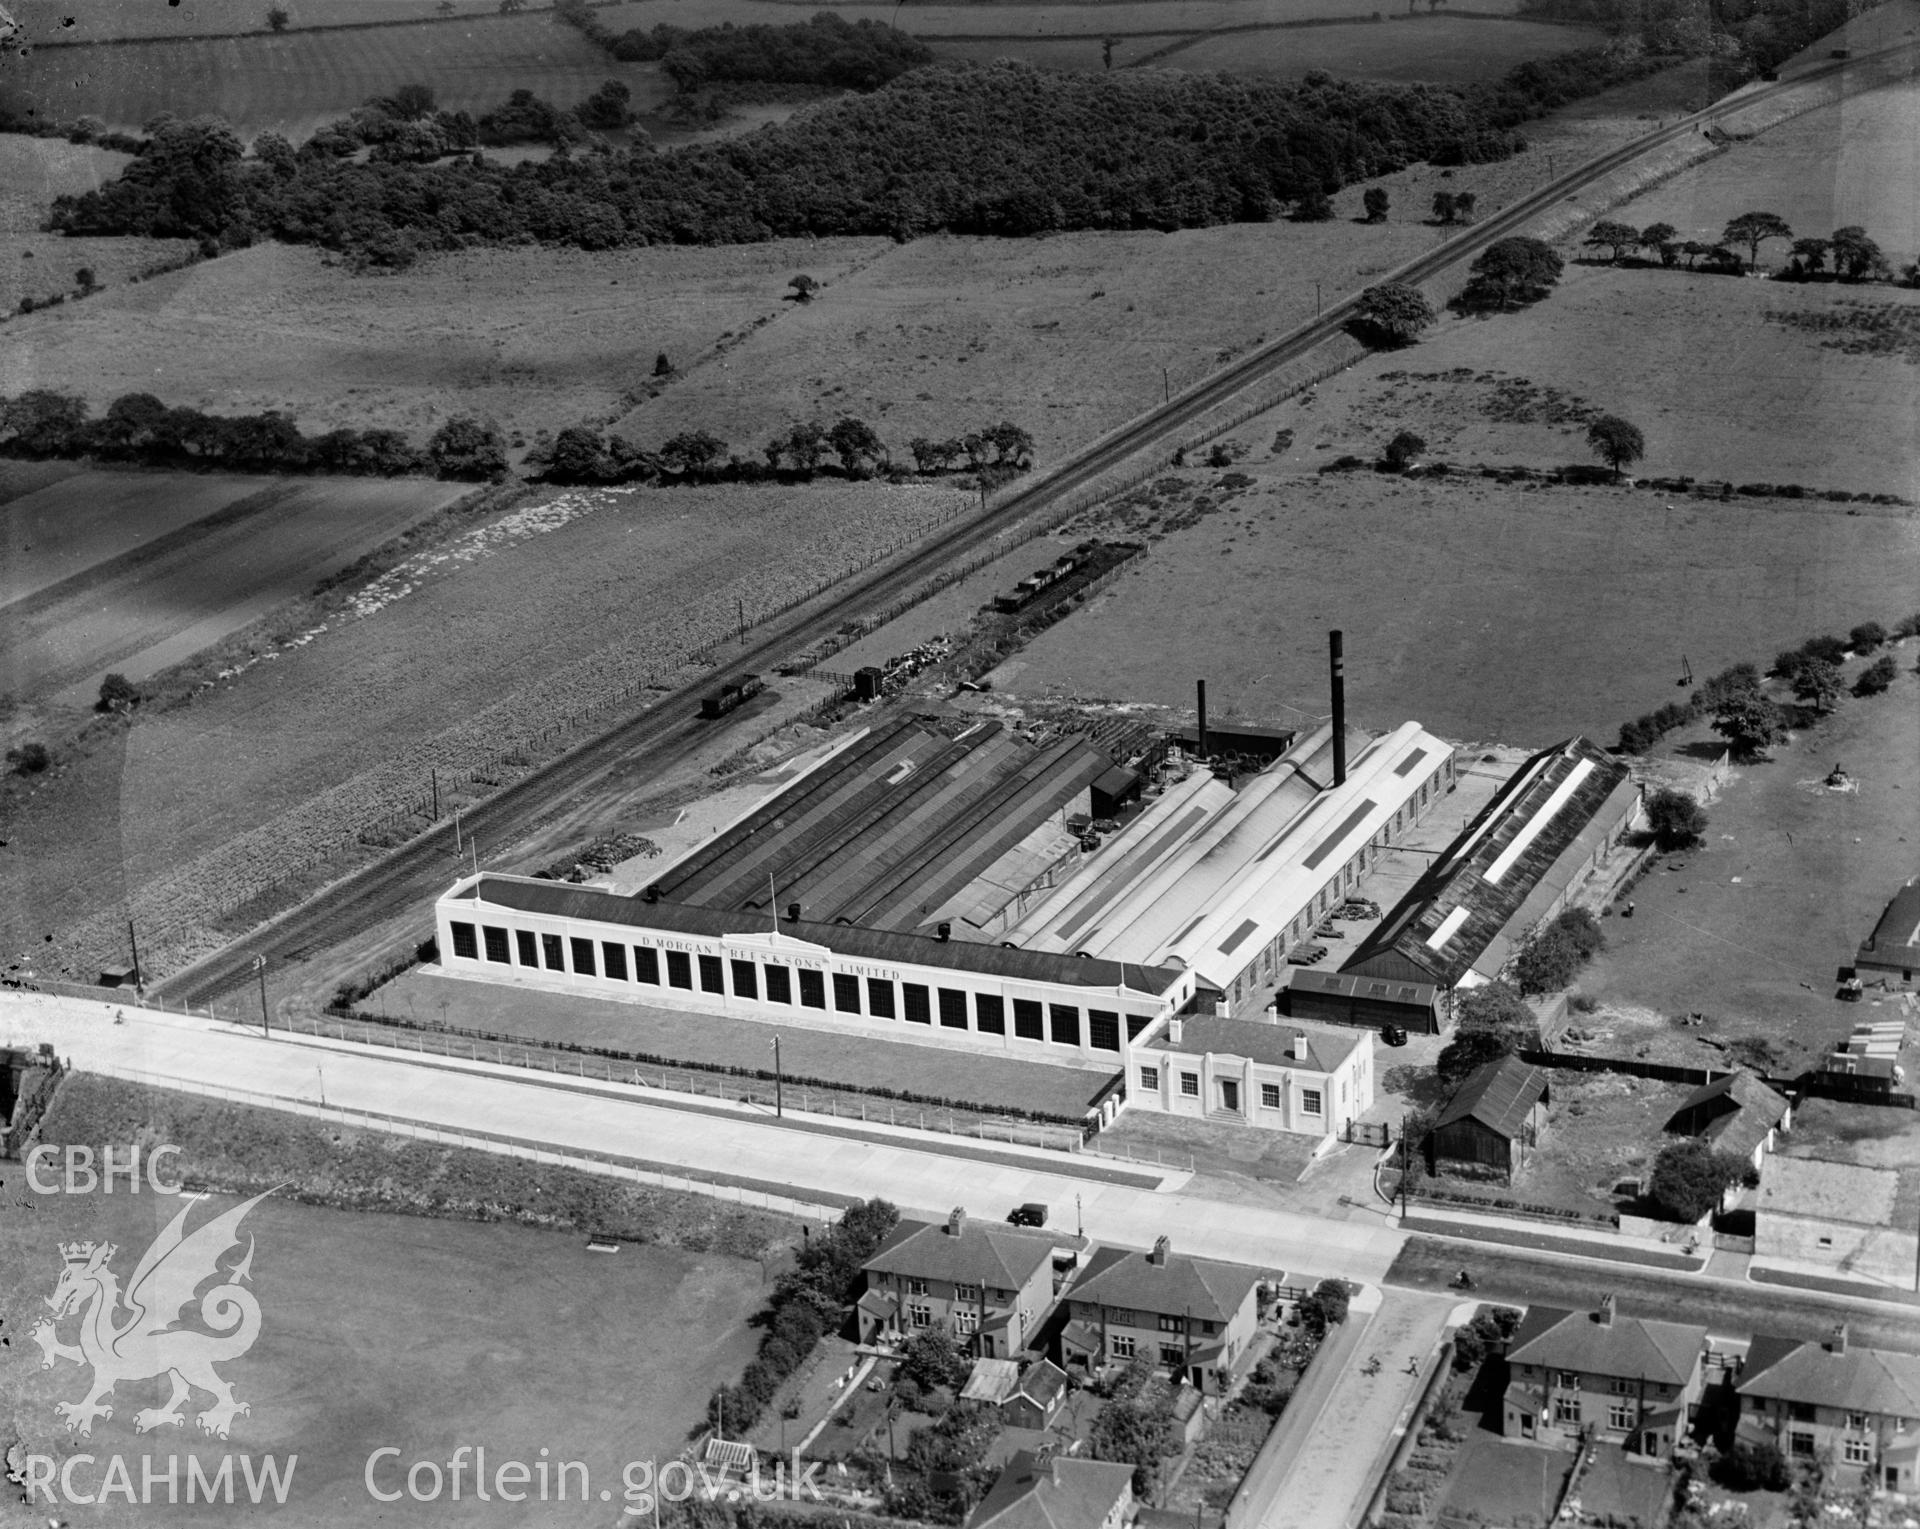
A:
[1066, 1024]
[529, 947]
[496, 945]
[1136, 1023]
[846, 993]
[1103, 1030]
[1027, 1020]
[1122, 1345]
[552, 953]
[583, 956]
[918, 1003]
[1310, 1101]
[813, 989]
[880, 998]
[989, 1014]
[712, 979]
[465, 942]
[1172, 1355]
[1270, 1095]
[1857, 1451]
[1190, 1084]
[613, 960]
[679, 969]
[745, 983]
[953, 1008]
[921, 1316]
[1150, 1078]
[1620, 1415]
[1566, 1409]
[646, 964]
[779, 985]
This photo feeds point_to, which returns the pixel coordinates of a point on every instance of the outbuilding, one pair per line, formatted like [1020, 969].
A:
[1495, 1119]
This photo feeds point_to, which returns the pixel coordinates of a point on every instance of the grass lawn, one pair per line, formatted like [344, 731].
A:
[855, 1059]
[1505, 1481]
[1627, 1487]
[389, 1330]
[1602, 1127]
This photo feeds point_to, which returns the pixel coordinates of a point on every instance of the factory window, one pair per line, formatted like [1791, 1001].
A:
[583, 956]
[1136, 1023]
[880, 998]
[846, 993]
[1103, 1030]
[711, 978]
[745, 983]
[1190, 1084]
[465, 942]
[1310, 1101]
[613, 960]
[779, 984]
[679, 969]
[953, 1008]
[646, 964]
[1066, 1024]
[919, 1005]
[529, 947]
[813, 989]
[989, 1014]
[1270, 1096]
[552, 954]
[496, 945]
[1027, 1020]
[1150, 1078]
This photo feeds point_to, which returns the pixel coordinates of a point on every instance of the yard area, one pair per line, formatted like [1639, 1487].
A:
[862, 1060]
[1503, 1481]
[1148, 1136]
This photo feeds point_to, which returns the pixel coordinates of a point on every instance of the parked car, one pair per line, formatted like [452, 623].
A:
[1393, 1035]
[1033, 1213]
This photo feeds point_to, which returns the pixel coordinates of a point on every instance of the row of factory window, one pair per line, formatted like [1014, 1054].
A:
[773, 982]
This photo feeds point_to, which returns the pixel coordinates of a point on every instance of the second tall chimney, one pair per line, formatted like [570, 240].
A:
[1200, 688]
[1336, 657]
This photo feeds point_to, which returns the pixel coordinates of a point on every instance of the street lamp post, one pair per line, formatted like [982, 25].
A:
[779, 1083]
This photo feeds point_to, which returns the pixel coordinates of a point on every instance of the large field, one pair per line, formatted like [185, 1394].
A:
[1434, 48]
[394, 1331]
[1485, 611]
[134, 571]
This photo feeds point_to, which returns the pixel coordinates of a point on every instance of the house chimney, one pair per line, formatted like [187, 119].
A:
[1605, 1315]
[1337, 660]
[793, 913]
[1298, 1050]
[1200, 687]
[1837, 1339]
[1161, 1248]
[956, 1220]
[1175, 1027]
[943, 932]
[652, 894]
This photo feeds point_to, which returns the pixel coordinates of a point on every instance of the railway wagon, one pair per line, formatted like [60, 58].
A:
[730, 696]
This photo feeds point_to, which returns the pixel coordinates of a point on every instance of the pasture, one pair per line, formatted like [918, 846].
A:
[381, 1330]
[1434, 49]
[51, 23]
[136, 571]
[1485, 611]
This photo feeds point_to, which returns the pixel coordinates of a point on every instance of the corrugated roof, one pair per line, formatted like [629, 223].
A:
[1357, 985]
[1063, 1492]
[1270, 1045]
[560, 899]
[1630, 1347]
[1202, 1288]
[984, 1253]
[1856, 1380]
[1503, 869]
[1498, 1095]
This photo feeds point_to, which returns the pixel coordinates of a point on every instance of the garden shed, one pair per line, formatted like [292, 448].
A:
[1494, 1120]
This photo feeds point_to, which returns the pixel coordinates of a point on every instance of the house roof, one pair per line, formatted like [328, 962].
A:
[1744, 1090]
[1734, 1113]
[984, 1253]
[1498, 1095]
[1895, 940]
[559, 899]
[1827, 1191]
[1203, 1288]
[1854, 1379]
[1061, 1493]
[992, 1380]
[1042, 1383]
[1541, 826]
[1632, 1347]
[1269, 1045]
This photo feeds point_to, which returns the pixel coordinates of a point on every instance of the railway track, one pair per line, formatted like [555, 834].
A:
[668, 732]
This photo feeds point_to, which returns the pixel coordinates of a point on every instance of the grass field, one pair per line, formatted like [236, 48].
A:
[1434, 49]
[50, 23]
[106, 587]
[1751, 929]
[392, 1331]
[1485, 611]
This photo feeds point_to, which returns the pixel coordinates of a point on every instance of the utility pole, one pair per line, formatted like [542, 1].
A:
[260, 970]
[456, 833]
[779, 1083]
[741, 602]
[434, 776]
[1166, 384]
[139, 987]
[1316, 299]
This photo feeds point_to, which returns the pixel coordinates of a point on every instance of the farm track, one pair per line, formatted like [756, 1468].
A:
[667, 733]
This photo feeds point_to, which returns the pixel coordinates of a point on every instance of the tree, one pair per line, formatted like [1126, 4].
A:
[1661, 238]
[1547, 962]
[1867, 636]
[1404, 450]
[692, 452]
[117, 693]
[1510, 273]
[1689, 1178]
[1750, 723]
[855, 443]
[1392, 314]
[1313, 206]
[1469, 1051]
[1817, 682]
[1877, 677]
[1811, 254]
[1755, 1466]
[1676, 818]
[509, 7]
[1443, 207]
[802, 289]
[1856, 257]
[278, 20]
[1497, 1006]
[608, 108]
[1616, 442]
[1753, 229]
[578, 456]
[409, 103]
[275, 150]
[1375, 202]
[1618, 237]
[465, 447]
[1132, 1429]
[29, 758]
[1463, 205]
[930, 1359]
[85, 280]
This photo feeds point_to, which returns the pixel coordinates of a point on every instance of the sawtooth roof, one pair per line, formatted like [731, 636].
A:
[982, 1253]
[1063, 1492]
[1204, 1288]
[1498, 1095]
[1631, 1347]
[1855, 1379]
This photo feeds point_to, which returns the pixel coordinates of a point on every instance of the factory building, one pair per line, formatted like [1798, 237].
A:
[1220, 883]
[1517, 864]
[558, 937]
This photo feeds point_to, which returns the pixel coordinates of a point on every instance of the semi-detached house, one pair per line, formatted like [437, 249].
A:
[986, 1284]
[1856, 1409]
[1627, 1380]
[1193, 1317]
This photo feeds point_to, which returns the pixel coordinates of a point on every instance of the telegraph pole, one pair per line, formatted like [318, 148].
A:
[434, 776]
[779, 1083]
[139, 987]
[260, 970]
